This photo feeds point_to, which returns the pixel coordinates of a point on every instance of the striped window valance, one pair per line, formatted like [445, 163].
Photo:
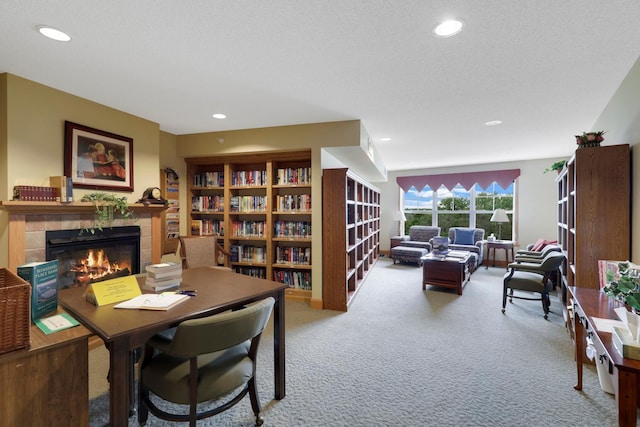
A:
[467, 179]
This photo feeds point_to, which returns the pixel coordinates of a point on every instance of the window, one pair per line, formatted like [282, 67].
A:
[459, 207]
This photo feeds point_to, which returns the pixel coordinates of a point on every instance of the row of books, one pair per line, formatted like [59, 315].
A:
[248, 228]
[299, 229]
[208, 179]
[251, 271]
[247, 253]
[163, 277]
[293, 202]
[60, 189]
[207, 227]
[294, 279]
[293, 176]
[214, 203]
[249, 178]
[293, 255]
[248, 204]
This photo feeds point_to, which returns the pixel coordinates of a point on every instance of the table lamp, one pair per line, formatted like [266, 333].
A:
[499, 216]
[400, 217]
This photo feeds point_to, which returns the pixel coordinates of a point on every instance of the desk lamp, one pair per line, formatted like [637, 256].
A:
[499, 216]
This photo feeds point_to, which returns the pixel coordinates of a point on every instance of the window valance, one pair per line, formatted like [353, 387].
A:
[467, 179]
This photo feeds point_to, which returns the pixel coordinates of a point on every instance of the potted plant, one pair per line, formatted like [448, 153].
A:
[108, 206]
[625, 285]
[557, 166]
[590, 139]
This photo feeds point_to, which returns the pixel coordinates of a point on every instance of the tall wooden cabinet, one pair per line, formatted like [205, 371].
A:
[594, 207]
[259, 206]
[350, 235]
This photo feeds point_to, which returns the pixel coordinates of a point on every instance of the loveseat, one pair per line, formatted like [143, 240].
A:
[468, 239]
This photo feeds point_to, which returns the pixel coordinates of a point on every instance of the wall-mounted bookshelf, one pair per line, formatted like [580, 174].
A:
[260, 207]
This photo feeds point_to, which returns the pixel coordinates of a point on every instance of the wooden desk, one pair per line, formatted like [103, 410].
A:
[126, 330]
[48, 383]
[590, 303]
[507, 245]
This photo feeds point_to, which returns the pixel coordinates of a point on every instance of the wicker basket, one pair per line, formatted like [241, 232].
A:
[15, 312]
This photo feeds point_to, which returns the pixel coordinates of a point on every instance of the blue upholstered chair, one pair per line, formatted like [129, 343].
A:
[468, 239]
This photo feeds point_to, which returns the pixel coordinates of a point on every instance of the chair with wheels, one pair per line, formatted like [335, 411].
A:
[202, 251]
[206, 359]
[531, 277]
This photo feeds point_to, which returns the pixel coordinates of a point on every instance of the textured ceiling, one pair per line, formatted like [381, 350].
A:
[546, 68]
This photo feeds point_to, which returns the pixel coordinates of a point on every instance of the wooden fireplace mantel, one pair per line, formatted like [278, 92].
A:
[18, 211]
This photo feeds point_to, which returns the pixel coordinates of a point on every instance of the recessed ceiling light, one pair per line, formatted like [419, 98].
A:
[494, 123]
[386, 138]
[448, 28]
[219, 116]
[53, 34]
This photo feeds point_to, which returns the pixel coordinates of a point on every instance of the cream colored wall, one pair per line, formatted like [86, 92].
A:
[536, 204]
[35, 139]
[621, 120]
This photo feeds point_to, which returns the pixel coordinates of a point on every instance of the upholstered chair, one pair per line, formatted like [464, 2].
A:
[202, 251]
[420, 236]
[468, 239]
[207, 359]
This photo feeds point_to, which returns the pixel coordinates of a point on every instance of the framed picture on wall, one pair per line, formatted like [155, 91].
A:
[97, 159]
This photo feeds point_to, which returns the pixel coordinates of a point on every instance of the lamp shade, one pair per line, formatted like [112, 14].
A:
[399, 216]
[499, 215]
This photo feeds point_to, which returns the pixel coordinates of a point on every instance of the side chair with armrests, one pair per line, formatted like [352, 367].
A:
[202, 251]
[536, 256]
[531, 277]
[207, 359]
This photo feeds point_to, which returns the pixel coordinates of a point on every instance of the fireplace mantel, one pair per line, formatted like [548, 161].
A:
[25, 216]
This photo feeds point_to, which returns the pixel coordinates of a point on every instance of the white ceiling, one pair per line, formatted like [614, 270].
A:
[546, 68]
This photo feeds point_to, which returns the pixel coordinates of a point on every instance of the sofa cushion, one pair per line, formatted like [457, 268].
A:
[464, 236]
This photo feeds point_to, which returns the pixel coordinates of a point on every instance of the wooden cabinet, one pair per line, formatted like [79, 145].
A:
[594, 196]
[350, 235]
[260, 207]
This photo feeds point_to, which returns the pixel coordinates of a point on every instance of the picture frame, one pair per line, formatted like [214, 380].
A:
[97, 159]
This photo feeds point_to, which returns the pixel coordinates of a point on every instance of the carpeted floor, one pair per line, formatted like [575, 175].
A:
[402, 356]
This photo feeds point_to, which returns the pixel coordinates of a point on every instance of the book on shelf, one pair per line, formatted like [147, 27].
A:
[43, 277]
[162, 301]
[196, 227]
[63, 186]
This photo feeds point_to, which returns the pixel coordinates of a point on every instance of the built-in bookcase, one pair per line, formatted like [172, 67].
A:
[350, 237]
[260, 207]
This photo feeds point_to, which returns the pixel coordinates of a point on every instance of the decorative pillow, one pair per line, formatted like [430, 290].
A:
[464, 236]
[541, 243]
[537, 247]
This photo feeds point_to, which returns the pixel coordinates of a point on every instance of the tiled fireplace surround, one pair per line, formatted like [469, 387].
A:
[28, 224]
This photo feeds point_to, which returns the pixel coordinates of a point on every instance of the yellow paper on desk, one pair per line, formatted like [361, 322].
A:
[113, 290]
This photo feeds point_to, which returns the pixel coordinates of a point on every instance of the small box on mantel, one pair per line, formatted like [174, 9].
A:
[625, 344]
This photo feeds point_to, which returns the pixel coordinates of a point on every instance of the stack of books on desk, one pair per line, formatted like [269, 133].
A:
[163, 277]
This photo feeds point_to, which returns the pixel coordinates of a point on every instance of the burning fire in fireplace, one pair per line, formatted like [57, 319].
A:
[96, 267]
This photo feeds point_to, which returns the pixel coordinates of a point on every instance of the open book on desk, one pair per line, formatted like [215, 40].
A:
[163, 301]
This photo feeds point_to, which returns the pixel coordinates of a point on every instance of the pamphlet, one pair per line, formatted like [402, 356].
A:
[163, 301]
[56, 323]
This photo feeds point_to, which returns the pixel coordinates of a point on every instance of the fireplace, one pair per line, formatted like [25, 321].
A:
[84, 258]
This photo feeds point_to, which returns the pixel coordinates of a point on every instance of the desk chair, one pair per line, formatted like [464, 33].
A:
[207, 359]
[202, 251]
[533, 278]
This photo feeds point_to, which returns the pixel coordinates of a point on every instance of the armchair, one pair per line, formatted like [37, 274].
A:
[420, 236]
[531, 278]
[202, 251]
[468, 239]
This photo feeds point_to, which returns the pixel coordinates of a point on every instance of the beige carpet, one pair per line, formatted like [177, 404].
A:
[402, 356]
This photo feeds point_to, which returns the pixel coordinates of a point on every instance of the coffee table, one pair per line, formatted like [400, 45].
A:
[448, 271]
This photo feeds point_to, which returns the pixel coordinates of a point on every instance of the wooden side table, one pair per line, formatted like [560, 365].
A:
[395, 241]
[507, 245]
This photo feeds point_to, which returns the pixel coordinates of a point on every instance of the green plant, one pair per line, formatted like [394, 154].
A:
[108, 206]
[625, 285]
[589, 137]
[556, 166]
